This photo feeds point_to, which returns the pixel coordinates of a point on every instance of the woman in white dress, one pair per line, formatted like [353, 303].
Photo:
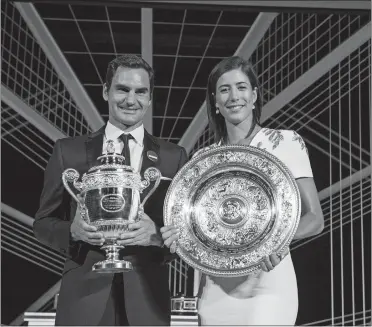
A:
[267, 297]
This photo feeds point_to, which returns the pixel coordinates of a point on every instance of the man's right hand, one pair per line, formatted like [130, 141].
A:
[81, 231]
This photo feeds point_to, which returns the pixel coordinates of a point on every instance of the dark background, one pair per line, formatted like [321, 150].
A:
[205, 40]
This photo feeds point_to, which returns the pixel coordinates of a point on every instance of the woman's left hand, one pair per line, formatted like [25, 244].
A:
[271, 261]
[170, 236]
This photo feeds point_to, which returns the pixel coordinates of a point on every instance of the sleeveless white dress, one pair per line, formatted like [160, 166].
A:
[263, 298]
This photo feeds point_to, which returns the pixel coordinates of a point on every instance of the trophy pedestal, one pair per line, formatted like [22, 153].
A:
[112, 264]
[184, 311]
[110, 267]
[187, 320]
[48, 319]
[39, 318]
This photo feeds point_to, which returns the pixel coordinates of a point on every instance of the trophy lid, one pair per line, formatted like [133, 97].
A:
[112, 172]
[111, 160]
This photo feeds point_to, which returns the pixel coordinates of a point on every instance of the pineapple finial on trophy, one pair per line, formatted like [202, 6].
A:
[110, 147]
[111, 157]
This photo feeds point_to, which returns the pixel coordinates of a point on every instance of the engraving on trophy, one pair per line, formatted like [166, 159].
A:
[241, 206]
[232, 211]
[223, 218]
[211, 223]
[112, 202]
[260, 202]
[177, 209]
[109, 199]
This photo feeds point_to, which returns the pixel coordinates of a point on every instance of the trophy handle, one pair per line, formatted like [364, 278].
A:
[151, 174]
[71, 176]
[84, 212]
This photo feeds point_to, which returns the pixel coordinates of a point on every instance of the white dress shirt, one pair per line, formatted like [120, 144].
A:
[135, 143]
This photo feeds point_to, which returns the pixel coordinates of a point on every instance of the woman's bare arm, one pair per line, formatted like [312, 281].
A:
[312, 220]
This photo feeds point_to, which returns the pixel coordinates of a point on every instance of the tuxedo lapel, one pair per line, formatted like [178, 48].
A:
[150, 157]
[94, 145]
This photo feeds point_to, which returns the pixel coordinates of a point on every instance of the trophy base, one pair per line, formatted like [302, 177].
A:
[112, 266]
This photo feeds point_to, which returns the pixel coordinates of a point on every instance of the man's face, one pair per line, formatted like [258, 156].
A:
[129, 96]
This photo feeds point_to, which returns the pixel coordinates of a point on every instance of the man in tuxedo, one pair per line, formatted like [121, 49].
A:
[138, 297]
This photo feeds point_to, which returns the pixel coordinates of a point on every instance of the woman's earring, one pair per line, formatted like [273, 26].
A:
[217, 111]
[253, 106]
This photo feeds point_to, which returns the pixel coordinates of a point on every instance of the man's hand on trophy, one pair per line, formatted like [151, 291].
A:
[143, 232]
[81, 231]
[273, 260]
[170, 236]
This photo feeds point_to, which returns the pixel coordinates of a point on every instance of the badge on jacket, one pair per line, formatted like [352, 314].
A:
[152, 156]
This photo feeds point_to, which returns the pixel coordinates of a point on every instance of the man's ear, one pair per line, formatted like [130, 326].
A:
[105, 92]
[151, 95]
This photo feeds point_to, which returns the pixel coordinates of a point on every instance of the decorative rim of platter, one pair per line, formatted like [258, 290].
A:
[234, 205]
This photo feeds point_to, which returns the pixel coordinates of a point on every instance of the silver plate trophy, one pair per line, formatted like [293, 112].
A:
[110, 200]
[233, 205]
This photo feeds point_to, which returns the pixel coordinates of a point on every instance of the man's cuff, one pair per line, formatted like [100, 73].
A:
[73, 248]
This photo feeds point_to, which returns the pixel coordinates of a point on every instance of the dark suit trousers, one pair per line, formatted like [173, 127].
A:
[115, 314]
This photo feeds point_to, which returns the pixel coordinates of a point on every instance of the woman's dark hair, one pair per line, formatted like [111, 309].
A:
[128, 61]
[217, 121]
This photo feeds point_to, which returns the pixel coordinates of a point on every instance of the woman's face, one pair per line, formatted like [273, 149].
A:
[234, 96]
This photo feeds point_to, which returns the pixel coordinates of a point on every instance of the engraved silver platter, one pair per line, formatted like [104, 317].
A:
[234, 205]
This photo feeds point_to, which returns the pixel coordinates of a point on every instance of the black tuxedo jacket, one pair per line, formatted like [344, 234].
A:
[83, 294]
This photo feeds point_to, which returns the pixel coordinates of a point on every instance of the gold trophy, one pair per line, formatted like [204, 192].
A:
[109, 199]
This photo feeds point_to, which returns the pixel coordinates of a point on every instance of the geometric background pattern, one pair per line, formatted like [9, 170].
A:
[314, 67]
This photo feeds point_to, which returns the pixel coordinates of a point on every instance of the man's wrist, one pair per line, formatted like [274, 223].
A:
[160, 242]
[157, 240]
[72, 234]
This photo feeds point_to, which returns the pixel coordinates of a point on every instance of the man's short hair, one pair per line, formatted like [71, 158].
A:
[129, 61]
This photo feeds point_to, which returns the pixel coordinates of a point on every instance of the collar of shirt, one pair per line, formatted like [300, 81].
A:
[112, 133]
